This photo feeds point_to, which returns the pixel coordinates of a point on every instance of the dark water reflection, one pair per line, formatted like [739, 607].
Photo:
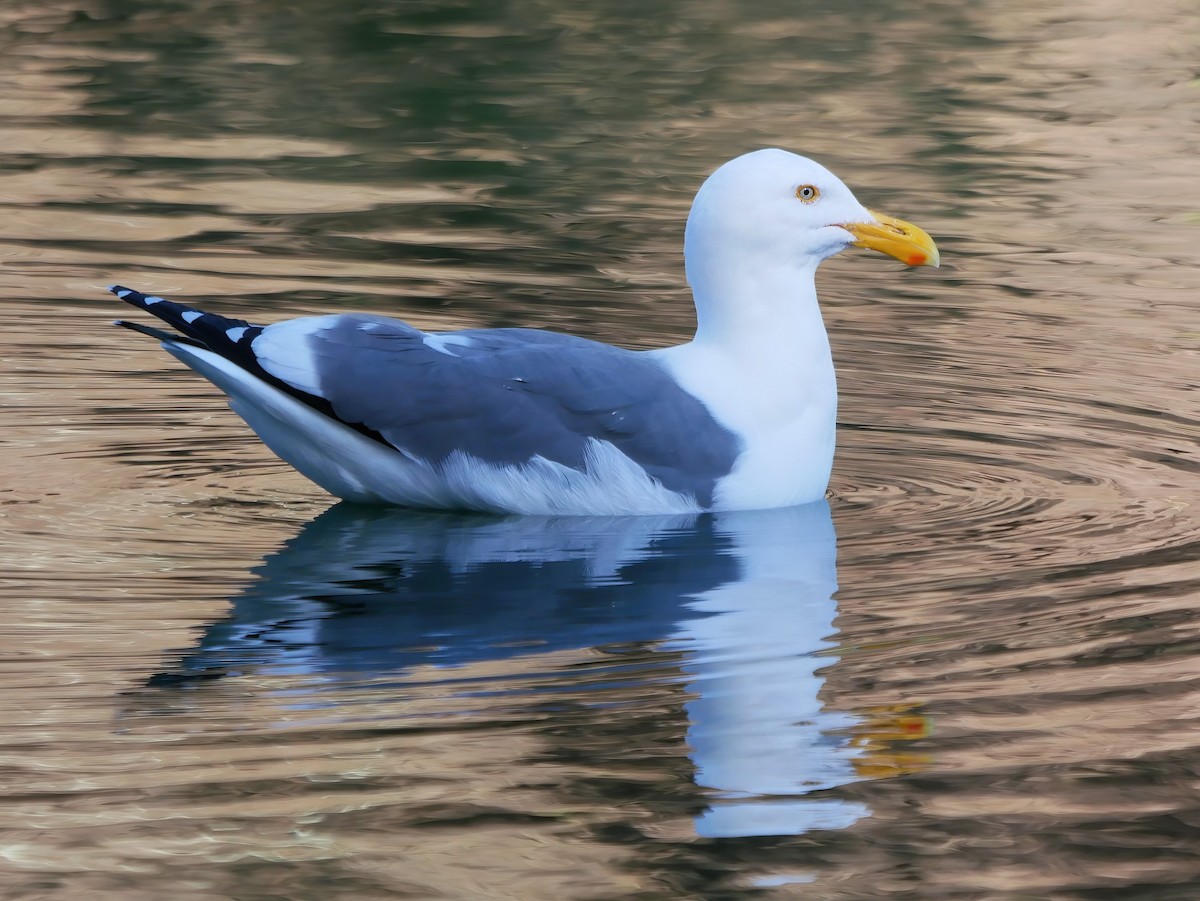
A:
[738, 607]
[1001, 704]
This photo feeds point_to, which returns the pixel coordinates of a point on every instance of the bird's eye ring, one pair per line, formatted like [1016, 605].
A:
[808, 193]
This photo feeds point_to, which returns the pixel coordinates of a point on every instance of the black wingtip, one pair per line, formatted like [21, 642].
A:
[134, 298]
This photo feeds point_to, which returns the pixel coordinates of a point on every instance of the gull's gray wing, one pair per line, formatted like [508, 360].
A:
[503, 396]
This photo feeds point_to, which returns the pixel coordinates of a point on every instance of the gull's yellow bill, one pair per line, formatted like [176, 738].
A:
[897, 238]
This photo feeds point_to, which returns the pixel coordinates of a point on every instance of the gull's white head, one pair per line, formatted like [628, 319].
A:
[772, 208]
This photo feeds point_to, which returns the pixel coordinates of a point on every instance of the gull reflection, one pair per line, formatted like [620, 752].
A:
[759, 732]
[745, 599]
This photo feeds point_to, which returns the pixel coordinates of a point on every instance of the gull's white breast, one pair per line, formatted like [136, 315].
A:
[783, 411]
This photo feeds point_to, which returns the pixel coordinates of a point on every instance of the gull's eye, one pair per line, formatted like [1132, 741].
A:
[808, 193]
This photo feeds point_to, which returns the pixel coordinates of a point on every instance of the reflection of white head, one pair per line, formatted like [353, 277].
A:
[757, 723]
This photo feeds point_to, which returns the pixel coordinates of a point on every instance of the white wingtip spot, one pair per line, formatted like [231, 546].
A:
[192, 315]
[124, 294]
[150, 301]
[236, 333]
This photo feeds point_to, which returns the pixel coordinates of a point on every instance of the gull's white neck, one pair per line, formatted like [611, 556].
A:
[761, 363]
[766, 318]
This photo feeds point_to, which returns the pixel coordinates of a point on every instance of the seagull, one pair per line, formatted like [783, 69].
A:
[529, 421]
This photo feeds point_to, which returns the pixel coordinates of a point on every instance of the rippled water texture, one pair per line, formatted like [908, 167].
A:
[986, 687]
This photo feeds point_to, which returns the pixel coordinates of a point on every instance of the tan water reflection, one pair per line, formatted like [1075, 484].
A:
[1012, 663]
